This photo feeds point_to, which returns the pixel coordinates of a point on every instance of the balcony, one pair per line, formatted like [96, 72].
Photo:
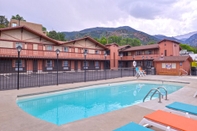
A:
[140, 57]
[12, 52]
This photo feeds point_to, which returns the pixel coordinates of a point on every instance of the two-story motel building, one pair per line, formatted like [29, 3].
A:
[38, 54]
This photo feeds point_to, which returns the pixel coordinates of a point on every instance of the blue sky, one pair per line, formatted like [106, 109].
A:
[167, 17]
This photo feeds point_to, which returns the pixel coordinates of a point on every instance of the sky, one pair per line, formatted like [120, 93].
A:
[166, 17]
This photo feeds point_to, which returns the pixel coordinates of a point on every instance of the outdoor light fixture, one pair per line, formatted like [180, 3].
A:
[121, 55]
[57, 52]
[85, 53]
[143, 61]
[134, 63]
[19, 48]
[105, 54]
[161, 57]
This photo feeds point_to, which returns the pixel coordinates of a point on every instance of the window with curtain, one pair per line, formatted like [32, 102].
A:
[66, 49]
[18, 44]
[16, 63]
[65, 63]
[49, 63]
[49, 47]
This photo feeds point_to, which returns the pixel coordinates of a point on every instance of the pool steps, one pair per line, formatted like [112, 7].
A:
[157, 90]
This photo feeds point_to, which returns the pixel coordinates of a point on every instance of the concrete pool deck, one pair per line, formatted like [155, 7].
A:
[12, 118]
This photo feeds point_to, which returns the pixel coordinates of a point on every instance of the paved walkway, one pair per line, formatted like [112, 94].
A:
[12, 118]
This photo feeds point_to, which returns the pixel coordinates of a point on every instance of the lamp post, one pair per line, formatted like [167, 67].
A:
[19, 48]
[133, 64]
[143, 62]
[105, 64]
[85, 53]
[121, 63]
[57, 52]
[146, 61]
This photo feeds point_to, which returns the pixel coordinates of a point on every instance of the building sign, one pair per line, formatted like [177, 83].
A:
[134, 63]
[169, 65]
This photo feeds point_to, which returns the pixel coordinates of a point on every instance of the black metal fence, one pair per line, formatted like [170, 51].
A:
[9, 75]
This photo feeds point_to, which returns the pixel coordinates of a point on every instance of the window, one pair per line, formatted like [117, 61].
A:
[65, 63]
[49, 47]
[169, 65]
[174, 45]
[85, 50]
[66, 49]
[96, 63]
[148, 52]
[173, 65]
[49, 63]
[165, 53]
[96, 52]
[20, 63]
[14, 24]
[85, 63]
[163, 65]
[18, 44]
[139, 52]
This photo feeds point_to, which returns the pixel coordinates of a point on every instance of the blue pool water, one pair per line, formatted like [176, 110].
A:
[71, 105]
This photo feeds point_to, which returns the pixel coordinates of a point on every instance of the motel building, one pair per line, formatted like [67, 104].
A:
[39, 54]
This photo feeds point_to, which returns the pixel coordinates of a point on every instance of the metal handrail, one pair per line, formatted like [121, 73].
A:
[183, 71]
[166, 92]
[156, 90]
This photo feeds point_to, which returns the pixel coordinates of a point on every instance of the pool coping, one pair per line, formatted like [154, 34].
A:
[80, 87]
[12, 118]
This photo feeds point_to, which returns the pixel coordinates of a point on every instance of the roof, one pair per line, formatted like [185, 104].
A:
[87, 37]
[123, 47]
[32, 31]
[173, 58]
[142, 47]
[112, 44]
[168, 40]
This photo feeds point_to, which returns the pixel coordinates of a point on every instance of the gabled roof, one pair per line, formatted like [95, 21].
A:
[86, 38]
[112, 44]
[173, 58]
[123, 47]
[32, 31]
[143, 47]
[168, 40]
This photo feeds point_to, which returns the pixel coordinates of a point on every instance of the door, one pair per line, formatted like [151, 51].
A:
[76, 65]
[35, 65]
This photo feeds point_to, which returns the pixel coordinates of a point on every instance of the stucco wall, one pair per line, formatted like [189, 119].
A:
[171, 47]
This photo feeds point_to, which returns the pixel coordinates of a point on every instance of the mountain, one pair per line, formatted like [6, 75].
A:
[192, 40]
[161, 37]
[124, 31]
[185, 36]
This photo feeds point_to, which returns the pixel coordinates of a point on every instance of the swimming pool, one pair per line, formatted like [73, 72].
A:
[71, 105]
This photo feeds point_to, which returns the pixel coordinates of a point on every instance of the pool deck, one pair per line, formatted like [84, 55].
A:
[12, 118]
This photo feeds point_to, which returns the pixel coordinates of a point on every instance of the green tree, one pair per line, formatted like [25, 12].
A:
[188, 48]
[103, 40]
[119, 40]
[44, 28]
[56, 35]
[19, 18]
[3, 22]
[151, 42]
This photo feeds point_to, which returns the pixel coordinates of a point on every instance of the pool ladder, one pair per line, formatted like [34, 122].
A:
[157, 90]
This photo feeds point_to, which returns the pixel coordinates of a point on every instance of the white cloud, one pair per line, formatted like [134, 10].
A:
[168, 17]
